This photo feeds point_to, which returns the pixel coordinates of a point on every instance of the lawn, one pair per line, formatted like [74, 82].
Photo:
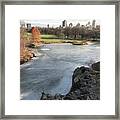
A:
[49, 41]
[74, 42]
[44, 36]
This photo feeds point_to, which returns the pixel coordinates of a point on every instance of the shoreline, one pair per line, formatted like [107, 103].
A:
[73, 42]
[32, 51]
[85, 85]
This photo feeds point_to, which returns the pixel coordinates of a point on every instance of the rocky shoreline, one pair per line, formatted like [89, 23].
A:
[30, 54]
[85, 85]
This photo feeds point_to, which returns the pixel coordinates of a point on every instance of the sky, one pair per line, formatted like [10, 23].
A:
[57, 23]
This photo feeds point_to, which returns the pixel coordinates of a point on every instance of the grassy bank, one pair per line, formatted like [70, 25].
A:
[74, 42]
[51, 39]
[43, 36]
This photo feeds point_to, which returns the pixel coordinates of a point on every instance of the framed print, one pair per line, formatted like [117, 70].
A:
[60, 59]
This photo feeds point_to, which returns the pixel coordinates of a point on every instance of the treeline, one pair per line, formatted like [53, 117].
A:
[72, 32]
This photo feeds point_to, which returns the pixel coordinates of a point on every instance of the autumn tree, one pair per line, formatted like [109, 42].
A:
[25, 53]
[36, 39]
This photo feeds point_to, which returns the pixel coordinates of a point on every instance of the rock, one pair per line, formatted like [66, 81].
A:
[96, 66]
[87, 80]
[22, 61]
[34, 55]
[31, 46]
[85, 85]
[58, 97]
[50, 97]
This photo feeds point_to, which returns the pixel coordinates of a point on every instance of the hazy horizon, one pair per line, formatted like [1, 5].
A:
[57, 23]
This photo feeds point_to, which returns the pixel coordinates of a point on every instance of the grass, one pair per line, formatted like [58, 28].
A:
[76, 42]
[48, 36]
[49, 41]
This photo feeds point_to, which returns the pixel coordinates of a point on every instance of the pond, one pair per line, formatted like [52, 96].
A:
[52, 71]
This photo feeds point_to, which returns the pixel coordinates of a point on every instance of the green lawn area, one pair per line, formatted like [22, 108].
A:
[48, 41]
[48, 36]
[76, 42]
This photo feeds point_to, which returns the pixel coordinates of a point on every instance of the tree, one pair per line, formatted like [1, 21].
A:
[36, 36]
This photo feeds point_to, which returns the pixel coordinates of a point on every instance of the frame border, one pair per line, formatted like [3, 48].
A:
[69, 2]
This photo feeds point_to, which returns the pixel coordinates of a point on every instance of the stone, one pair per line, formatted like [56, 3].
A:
[85, 85]
[96, 66]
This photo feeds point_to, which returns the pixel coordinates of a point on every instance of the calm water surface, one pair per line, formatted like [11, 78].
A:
[52, 71]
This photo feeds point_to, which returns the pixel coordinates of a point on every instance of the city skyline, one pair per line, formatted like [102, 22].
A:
[57, 23]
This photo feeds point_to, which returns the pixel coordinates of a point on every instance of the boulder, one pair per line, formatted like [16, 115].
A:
[96, 66]
[85, 85]
[87, 81]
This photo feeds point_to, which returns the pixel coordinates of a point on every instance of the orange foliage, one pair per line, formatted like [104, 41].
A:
[36, 36]
[25, 53]
[22, 43]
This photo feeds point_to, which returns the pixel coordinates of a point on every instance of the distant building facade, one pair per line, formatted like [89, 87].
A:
[93, 24]
[64, 23]
[29, 27]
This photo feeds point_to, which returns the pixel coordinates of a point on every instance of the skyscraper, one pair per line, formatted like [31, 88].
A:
[93, 24]
[64, 23]
[29, 26]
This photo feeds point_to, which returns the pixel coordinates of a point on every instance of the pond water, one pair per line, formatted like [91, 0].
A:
[52, 71]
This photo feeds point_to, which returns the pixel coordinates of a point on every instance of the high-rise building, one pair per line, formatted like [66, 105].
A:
[64, 23]
[29, 26]
[47, 25]
[93, 24]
